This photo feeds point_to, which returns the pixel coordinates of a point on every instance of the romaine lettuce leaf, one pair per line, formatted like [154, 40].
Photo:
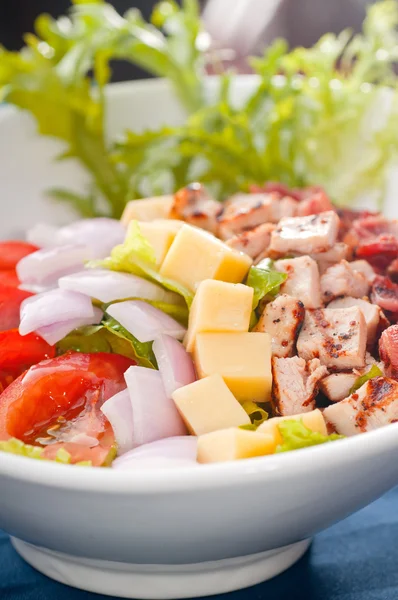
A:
[373, 372]
[264, 280]
[296, 435]
[256, 413]
[110, 336]
[136, 256]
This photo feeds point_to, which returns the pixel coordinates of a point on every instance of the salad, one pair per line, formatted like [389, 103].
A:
[217, 300]
[193, 332]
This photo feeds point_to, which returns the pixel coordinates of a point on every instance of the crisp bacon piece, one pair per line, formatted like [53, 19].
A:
[275, 187]
[314, 203]
[385, 294]
[379, 251]
[393, 270]
[348, 217]
[388, 349]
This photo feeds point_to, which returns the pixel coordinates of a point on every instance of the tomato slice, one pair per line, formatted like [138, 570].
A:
[9, 278]
[18, 353]
[56, 403]
[10, 303]
[11, 253]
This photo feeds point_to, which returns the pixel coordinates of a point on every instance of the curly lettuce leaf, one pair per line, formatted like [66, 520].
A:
[110, 337]
[15, 446]
[265, 281]
[296, 435]
[373, 372]
[137, 256]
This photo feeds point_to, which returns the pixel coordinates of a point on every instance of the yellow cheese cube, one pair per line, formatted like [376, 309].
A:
[312, 420]
[196, 255]
[233, 444]
[208, 405]
[242, 359]
[147, 209]
[160, 234]
[219, 306]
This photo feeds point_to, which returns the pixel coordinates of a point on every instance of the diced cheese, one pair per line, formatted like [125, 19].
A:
[196, 255]
[208, 405]
[160, 234]
[219, 306]
[242, 359]
[312, 420]
[233, 444]
[147, 209]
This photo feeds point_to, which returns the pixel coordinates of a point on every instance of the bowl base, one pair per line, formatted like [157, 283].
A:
[161, 582]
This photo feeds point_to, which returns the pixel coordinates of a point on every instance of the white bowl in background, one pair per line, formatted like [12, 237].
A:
[166, 533]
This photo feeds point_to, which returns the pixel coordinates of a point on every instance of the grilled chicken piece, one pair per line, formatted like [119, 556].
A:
[253, 242]
[194, 205]
[374, 405]
[363, 267]
[337, 386]
[316, 202]
[295, 384]
[326, 259]
[371, 312]
[337, 337]
[303, 280]
[282, 319]
[342, 280]
[305, 235]
[388, 349]
[246, 211]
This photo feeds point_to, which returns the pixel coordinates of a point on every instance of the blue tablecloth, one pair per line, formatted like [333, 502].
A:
[356, 559]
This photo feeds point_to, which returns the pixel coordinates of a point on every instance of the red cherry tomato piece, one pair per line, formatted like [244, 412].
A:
[10, 303]
[11, 253]
[57, 401]
[9, 278]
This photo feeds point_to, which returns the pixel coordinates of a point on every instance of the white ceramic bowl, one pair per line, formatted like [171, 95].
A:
[166, 533]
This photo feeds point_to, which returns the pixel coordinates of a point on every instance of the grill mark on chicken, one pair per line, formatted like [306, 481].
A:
[377, 398]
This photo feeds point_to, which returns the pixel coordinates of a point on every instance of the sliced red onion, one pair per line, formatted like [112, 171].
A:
[100, 235]
[108, 286]
[47, 265]
[42, 235]
[174, 362]
[145, 322]
[57, 331]
[37, 289]
[119, 412]
[171, 452]
[154, 414]
[52, 307]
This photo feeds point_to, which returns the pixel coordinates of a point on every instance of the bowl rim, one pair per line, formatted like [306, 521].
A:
[210, 476]
[276, 467]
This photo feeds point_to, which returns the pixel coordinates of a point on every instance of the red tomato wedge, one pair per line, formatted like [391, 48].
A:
[11, 253]
[9, 278]
[18, 353]
[56, 403]
[10, 302]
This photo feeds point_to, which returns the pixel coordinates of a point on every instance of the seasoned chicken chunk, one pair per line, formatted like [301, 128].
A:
[326, 259]
[371, 312]
[337, 386]
[363, 267]
[282, 319]
[295, 384]
[305, 235]
[337, 337]
[245, 211]
[315, 202]
[374, 405]
[342, 280]
[194, 205]
[303, 280]
[254, 241]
